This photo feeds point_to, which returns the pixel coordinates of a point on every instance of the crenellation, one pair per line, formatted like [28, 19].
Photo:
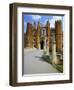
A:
[40, 37]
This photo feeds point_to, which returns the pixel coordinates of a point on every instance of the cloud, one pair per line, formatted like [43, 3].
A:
[52, 21]
[36, 17]
[25, 27]
[45, 21]
[57, 18]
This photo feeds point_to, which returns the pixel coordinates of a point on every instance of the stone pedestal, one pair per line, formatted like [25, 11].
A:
[55, 60]
[45, 44]
[47, 51]
[38, 45]
[46, 48]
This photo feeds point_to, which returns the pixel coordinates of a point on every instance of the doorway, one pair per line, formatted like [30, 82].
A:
[42, 44]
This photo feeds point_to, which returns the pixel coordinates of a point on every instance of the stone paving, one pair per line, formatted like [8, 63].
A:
[33, 63]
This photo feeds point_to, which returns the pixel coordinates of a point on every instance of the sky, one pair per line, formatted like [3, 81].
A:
[43, 19]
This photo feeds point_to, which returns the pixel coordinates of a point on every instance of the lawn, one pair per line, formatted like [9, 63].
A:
[59, 67]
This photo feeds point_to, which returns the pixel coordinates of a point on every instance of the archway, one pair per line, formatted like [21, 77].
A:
[42, 44]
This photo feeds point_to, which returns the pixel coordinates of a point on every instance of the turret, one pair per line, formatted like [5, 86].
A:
[38, 36]
[29, 35]
[58, 35]
[48, 34]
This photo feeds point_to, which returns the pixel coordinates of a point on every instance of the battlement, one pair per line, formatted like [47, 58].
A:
[40, 36]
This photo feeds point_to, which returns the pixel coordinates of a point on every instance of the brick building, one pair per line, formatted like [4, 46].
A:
[40, 37]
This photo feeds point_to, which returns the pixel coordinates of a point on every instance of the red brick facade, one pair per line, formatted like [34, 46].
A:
[33, 35]
[58, 35]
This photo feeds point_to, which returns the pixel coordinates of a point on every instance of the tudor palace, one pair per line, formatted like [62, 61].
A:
[42, 37]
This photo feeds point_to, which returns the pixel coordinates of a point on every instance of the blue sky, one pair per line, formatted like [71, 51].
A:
[43, 19]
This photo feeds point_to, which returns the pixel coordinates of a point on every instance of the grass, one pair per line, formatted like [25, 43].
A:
[47, 59]
[59, 68]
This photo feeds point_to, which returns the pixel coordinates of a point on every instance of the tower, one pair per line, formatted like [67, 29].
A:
[38, 36]
[47, 39]
[58, 35]
[48, 34]
[29, 36]
[34, 35]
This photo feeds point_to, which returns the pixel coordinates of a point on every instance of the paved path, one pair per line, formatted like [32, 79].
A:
[34, 65]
